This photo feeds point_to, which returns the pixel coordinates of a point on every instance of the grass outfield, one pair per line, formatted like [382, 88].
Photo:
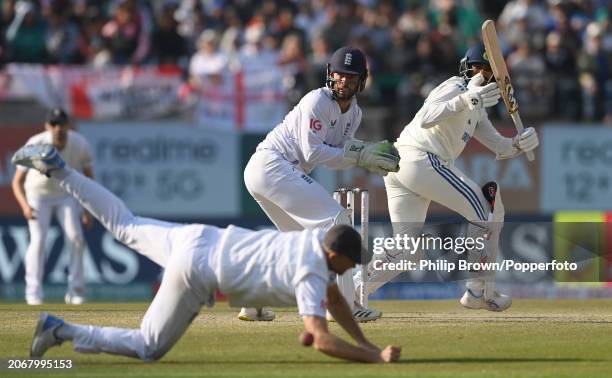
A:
[552, 338]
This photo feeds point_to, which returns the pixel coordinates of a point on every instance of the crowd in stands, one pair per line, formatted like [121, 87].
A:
[558, 51]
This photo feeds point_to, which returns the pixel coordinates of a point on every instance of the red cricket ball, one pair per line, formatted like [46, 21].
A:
[306, 338]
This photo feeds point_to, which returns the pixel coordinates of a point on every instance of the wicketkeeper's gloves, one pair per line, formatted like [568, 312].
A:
[380, 157]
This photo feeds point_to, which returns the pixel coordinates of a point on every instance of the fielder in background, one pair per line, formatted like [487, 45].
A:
[453, 113]
[319, 130]
[39, 198]
[300, 268]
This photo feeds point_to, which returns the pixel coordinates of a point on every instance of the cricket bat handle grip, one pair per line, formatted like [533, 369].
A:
[516, 118]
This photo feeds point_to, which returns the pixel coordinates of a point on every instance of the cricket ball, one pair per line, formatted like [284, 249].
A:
[306, 338]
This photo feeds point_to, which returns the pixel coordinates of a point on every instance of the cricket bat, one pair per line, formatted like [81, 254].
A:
[500, 71]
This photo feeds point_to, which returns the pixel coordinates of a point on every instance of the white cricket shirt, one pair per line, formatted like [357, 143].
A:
[315, 131]
[272, 268]
[445, 124]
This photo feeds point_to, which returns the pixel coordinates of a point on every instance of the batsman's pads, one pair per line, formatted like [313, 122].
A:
[479, 97]
[380, 157]
[493, 230]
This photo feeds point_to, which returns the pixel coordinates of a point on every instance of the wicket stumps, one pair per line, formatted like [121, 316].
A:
[349, 195]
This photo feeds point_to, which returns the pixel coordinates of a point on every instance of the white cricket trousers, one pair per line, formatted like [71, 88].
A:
[68, 213]
[293, 200]
[187, 284]
[290, 198]
[423, 177]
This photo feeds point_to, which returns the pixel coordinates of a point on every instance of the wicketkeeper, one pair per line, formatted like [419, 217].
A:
[318, 131]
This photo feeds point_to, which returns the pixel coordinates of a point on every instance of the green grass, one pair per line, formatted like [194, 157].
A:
[553, 338]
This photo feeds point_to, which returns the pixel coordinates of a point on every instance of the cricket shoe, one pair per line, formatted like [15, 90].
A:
[360, 314]
[74, 299]
[44, 336]
[477, 301]
[34, 301]
[256, 314]
[43, 157]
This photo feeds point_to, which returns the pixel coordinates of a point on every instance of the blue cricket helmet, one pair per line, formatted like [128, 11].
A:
[474, 55]
[347, 60]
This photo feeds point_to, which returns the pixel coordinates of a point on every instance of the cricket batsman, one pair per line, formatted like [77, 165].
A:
[300, 268]
[452, 113]
[319, 130]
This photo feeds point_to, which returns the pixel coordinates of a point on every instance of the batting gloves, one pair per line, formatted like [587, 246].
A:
[527, 140]
[478, 97]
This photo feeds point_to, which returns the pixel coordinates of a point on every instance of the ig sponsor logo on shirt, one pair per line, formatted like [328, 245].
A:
[315, 125]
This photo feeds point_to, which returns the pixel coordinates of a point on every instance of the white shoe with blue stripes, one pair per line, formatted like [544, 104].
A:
[44, 336]
[43, 157]
[476, 301]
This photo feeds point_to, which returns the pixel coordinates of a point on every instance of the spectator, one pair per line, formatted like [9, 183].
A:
[338, 25]
[127, 34]
[25, 36]
[258, 52]
[529, 80]
[208, 61]
[317, 61]
[561, 68]
[92, 46]
[292, 62]
[376, 28]
[569, 39]
[594, 73]
[515, 10]
[62, 37]
[458, 20]
[284, 26]
[169, 47]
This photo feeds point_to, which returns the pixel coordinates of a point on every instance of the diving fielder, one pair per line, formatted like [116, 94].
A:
[319, 130]
[299, 267]
[453, 113]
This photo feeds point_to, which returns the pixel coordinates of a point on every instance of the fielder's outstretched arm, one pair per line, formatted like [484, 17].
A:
[331, 345]
[341, 311]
